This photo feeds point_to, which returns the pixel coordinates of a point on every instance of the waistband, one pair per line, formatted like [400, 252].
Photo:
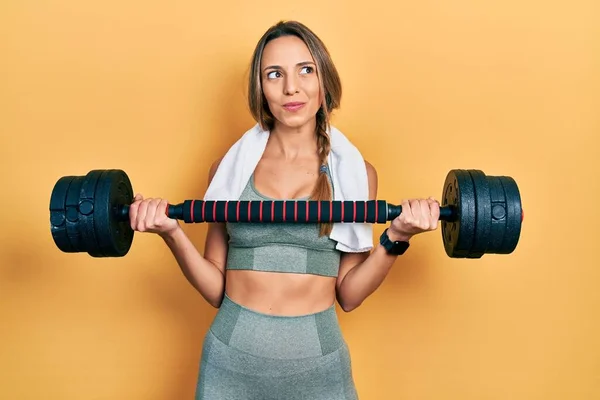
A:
[274, 336]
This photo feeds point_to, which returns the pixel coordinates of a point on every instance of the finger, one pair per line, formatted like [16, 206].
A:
[424, 214]
[415, 206]
[141, 217]
[435, 207]
[133, 213]
[155, 216]
[433, 201]
[150, 218]
[412, 217]
[406, 209]
[133, 209]
[429, 202]
[162, 208]
[434, 210]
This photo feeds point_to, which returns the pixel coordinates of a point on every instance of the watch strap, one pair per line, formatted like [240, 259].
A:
[393, 247]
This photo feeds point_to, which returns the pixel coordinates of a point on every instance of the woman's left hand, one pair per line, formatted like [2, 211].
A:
[417, 216]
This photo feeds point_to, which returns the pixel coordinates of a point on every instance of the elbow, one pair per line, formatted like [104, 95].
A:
[217, 302]
[348, 301]
[348, 309]
[348, 306]
[214, 301]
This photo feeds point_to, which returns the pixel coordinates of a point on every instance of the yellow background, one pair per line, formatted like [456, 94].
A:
[157, 88]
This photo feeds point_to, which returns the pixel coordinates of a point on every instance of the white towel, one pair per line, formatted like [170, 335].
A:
[346, 165]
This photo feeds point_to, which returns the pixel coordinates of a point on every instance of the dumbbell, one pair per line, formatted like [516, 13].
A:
[479, 214]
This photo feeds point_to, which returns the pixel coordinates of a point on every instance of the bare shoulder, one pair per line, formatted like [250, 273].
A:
[372, 177]
[371, 171]
[213, 168]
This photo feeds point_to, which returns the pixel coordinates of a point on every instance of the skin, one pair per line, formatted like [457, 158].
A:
[287, 170]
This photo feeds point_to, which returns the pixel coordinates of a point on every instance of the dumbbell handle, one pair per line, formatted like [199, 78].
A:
[370, 211]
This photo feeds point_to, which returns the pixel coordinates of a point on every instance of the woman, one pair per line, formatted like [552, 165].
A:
[276, 335]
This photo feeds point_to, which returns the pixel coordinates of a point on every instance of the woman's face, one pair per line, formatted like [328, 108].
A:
[290, 82]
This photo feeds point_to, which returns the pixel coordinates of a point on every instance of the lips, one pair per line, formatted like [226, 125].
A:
[293, 106]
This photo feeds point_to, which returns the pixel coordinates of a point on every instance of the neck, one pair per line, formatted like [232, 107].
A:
[293, 142]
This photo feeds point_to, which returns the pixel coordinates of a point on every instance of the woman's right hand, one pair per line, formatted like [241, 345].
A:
[150, 215]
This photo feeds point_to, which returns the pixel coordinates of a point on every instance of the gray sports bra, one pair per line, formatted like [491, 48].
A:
[280, 247]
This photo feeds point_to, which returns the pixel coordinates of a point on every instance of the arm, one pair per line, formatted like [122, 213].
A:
[362, 273]
[206, 274]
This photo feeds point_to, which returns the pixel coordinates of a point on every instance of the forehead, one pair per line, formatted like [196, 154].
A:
[285, 50]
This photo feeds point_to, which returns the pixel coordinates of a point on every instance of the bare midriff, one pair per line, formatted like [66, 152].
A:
[284, 294]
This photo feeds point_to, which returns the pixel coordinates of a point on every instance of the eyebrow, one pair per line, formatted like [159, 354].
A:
[300, 64]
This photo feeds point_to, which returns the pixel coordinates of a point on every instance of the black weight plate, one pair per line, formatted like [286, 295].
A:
[498, 227]
[513, 215]
[58, 226]
[450, 229]
[72, 215]
[483, 214]
[466, 214]
[114, 234]
[102, 208]
[86, 212]
[121, 195]
[458, 235]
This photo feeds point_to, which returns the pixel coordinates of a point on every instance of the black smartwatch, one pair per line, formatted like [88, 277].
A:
[396, 248]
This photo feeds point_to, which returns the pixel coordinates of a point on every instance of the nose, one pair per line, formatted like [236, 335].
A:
[291, 85]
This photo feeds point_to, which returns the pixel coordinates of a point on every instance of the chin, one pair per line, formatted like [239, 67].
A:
[296, 121]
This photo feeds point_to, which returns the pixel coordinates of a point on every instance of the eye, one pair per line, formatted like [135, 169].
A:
[307, 69]
[273, 75]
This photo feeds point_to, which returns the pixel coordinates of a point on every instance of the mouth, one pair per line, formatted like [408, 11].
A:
[293, 106]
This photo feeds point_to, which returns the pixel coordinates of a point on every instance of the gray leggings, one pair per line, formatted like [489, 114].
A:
[248, 355]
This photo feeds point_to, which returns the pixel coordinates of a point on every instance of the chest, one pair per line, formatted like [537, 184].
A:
[290, 180]
[255, 235]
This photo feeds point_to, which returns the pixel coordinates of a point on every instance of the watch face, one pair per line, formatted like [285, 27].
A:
[400, 246]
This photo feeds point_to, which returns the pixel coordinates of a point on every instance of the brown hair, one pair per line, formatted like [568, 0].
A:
[331, 89]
